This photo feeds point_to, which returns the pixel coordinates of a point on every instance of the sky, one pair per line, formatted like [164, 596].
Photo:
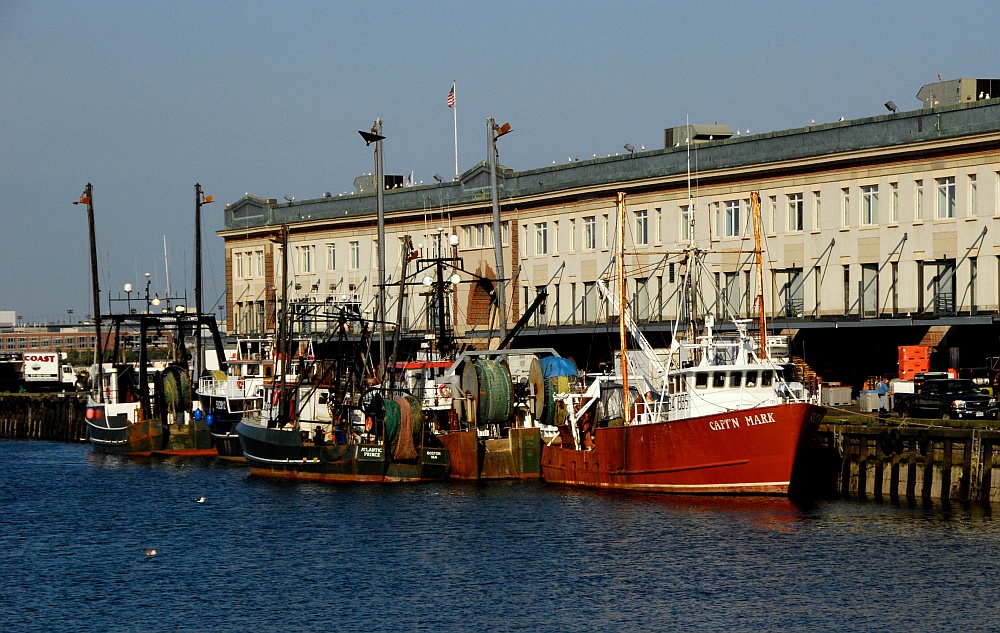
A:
[145, 99]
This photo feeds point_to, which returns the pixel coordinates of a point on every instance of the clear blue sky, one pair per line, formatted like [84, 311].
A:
[144, 99]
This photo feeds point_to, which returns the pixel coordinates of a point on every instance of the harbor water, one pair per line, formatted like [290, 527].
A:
[260, 555]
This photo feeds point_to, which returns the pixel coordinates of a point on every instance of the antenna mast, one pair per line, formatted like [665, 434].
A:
[755, 207]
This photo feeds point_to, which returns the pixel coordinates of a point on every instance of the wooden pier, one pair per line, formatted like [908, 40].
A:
[905, 462]
[56, 417]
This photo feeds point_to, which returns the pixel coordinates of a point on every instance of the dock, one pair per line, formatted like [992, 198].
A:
[57, 417]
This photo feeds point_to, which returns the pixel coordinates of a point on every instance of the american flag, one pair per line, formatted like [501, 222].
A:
[451, 97]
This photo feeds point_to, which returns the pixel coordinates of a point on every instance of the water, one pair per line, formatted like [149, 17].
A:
[259, 555]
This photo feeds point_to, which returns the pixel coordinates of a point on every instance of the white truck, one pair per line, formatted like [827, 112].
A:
[48, 371]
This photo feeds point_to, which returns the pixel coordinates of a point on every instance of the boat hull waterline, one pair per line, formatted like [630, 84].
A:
[751, 451]
[280, 454]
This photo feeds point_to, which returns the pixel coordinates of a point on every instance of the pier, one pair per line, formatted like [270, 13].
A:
[905, 459]
[57, 417]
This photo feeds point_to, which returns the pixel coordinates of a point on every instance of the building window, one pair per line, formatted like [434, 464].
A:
[555, 236]
[642, 227]
[774, 214]
[331, 256]
[894, 202]
[541, 238]
[973, 196]
[685, 231]
[918, 193]
[996, 200]
[590, 232]
[480, 234]
[973, 275]
[640, 302]
[355, 255]
[659, 225]
[920, 287]
[572, 235]
[589, 302]
[731, 226]
[817, 204]
[869, 205]
[505, 233]
[795, 212]
[306, 258]
[945, 197]
[607, 231]
[467, 236]
[845, 197]
[847, 289]
[238, 265]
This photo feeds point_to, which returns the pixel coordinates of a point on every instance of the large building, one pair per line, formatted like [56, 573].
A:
[878, 232]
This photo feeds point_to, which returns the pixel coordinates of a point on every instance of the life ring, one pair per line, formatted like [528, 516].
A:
[444, 390]
[239, 382]
[369, 424]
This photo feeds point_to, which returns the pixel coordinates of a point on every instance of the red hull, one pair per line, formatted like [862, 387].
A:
[741, 452]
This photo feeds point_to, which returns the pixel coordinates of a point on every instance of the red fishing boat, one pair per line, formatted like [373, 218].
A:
[709, 415]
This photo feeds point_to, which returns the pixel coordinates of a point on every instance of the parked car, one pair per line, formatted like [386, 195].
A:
[946, 399]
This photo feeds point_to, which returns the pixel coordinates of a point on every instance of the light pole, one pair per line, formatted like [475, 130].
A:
[493, 132]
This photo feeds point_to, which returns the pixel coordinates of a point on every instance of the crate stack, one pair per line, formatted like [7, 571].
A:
[913, 360]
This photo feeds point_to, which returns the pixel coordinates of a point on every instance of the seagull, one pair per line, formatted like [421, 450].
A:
[200, 500]
[149, 552]
[841, 118]
[812, 121]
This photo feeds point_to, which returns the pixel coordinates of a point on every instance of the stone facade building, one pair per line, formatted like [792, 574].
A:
[877, 232]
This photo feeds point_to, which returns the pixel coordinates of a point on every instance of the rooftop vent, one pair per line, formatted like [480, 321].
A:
[680, 135]
[956, 91]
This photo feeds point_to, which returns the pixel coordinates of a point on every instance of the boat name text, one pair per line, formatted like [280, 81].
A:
[734, 423]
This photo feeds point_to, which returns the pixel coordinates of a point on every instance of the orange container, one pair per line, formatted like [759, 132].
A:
[910, 352]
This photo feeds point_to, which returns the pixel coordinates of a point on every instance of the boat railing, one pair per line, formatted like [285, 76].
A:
[233, 387]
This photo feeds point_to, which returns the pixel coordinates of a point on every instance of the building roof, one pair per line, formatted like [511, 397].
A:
[638, 169]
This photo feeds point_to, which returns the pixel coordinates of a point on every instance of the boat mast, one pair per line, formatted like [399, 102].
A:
[199, 199]
[88, 199]
[283, 343]
[380, 208]
[493, 132]
[755, 207]
[622, 306]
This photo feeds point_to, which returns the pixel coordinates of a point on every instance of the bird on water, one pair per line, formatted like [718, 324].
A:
[200, 500]
[149, 552]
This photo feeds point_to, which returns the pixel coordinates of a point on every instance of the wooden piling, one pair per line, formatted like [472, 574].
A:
[55, 417]
[932, 463]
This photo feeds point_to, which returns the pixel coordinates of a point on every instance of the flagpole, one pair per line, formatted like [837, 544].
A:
[455, 112]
